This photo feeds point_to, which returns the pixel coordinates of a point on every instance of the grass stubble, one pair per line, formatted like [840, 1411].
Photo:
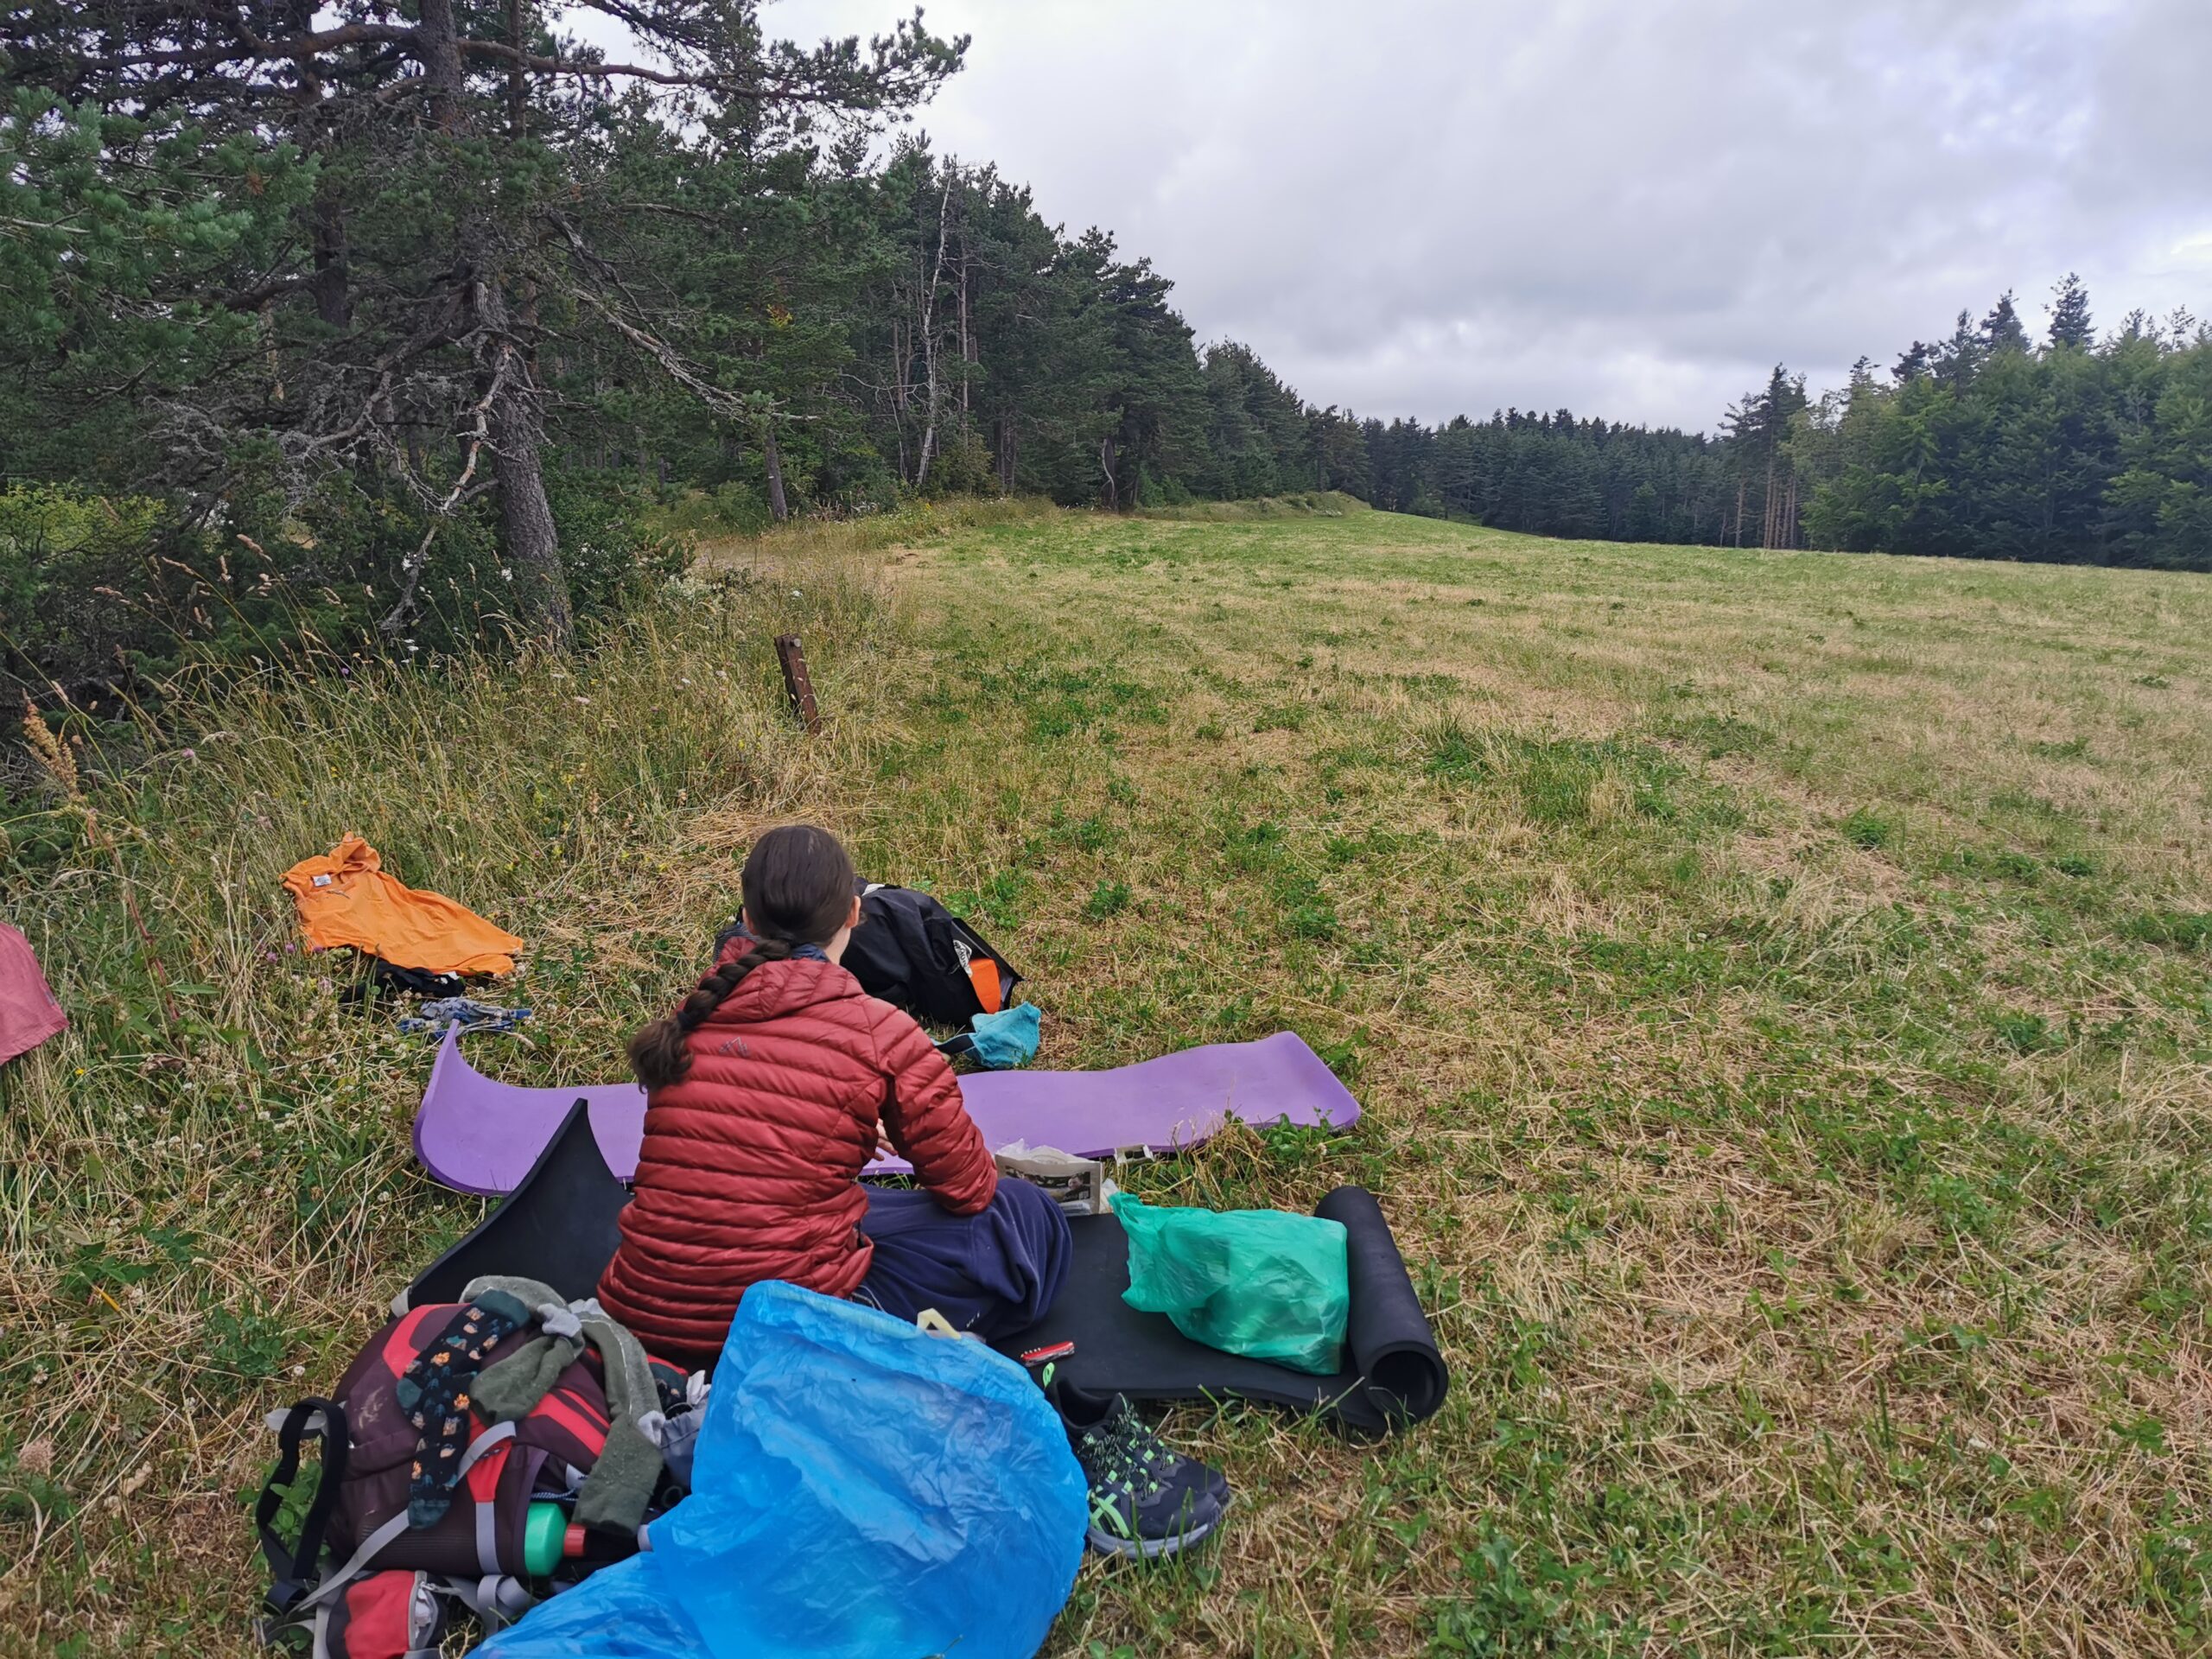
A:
[1777, 983]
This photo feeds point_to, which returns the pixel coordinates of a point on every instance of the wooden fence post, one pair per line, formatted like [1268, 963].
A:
[796, 686]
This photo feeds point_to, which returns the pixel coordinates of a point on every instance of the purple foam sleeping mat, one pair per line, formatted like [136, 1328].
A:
[482, 1135]
[1393, 1376]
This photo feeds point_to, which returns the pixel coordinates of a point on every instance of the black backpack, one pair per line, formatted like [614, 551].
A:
[915, 954]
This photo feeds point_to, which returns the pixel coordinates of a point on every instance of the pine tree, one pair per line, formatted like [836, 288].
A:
[2001, 330]
[1914, 363]
[2071, 328]
[460, 206]
[1959, 360]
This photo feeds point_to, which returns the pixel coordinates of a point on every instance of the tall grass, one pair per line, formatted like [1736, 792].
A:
[206, 1185]
[1303, 504]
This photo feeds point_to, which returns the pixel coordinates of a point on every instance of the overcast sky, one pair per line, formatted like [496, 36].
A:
[1629, 207]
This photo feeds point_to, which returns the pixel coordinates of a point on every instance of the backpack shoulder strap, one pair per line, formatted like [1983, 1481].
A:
[293, 1572]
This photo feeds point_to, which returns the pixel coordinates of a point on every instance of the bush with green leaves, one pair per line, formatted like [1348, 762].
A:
[106, 596]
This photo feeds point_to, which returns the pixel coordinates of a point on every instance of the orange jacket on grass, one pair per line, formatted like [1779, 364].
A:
[348, 898]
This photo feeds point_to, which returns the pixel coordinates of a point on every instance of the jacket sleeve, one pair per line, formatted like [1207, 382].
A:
[926, 1121]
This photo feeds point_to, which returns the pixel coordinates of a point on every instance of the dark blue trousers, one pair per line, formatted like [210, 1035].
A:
[995, 1273]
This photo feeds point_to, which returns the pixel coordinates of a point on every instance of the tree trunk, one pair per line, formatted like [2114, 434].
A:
[517, 125]
[929, 343]
[440, 43]
[778, 508]
[527, 535]
[1106, 460]
[967, 340]
[517, 94]
[333, 303]
[328, 285]
[901, 397]
[530, 545]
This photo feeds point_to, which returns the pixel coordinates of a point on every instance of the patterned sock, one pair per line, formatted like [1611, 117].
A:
[434, 1395]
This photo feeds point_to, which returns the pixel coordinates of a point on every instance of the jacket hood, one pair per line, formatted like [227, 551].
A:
[779, 987]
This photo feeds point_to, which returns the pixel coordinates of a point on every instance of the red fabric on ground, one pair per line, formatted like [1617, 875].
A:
[29, 1014]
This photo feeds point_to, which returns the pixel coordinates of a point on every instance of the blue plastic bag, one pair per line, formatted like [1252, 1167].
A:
[624, 1611]
[861, 1490]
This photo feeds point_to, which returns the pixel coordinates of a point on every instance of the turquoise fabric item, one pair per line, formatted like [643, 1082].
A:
[1262, 1283]
[861, 1489]
[1007, 1039]
[999, 1042]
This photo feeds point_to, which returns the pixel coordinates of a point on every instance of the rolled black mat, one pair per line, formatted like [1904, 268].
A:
[1393, 1349]
[560, 1225]
[1393, 1374]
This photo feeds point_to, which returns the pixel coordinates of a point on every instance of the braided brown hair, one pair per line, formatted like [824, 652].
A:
[798, 888]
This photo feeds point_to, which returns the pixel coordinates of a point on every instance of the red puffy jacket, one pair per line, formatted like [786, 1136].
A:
[750, 1165]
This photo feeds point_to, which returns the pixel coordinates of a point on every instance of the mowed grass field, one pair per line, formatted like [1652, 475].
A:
[1779, 985]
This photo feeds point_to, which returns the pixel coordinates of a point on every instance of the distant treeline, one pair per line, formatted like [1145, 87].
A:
[1986, 445]
[414, 324]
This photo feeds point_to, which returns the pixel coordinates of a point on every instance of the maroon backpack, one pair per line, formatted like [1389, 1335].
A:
[356, 1524]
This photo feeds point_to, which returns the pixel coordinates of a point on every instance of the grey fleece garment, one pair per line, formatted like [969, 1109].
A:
[620, 1484]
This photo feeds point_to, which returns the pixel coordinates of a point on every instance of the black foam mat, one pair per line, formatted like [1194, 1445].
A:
[558, 1226]
[1394, 1375]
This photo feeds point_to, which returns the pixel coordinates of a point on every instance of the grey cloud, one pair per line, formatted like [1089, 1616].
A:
[1628, 208]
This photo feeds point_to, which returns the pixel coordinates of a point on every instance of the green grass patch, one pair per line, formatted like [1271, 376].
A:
[1817, 1240]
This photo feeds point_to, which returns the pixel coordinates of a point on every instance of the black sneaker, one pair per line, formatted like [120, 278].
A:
[1081, 1407]
[1145, 1499]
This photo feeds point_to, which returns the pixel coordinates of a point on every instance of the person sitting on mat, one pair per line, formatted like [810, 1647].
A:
[766, 1092]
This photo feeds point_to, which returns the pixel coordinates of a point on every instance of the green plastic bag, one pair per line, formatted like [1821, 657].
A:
[1262, 1283]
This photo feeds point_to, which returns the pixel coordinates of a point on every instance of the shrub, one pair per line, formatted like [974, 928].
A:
[611, 546]
[735, 508]
[76, 574]
[108, 595]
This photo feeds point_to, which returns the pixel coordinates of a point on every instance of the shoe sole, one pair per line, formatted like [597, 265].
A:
[1150, 1549]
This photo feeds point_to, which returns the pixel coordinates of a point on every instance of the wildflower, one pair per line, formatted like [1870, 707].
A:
[49, 752]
